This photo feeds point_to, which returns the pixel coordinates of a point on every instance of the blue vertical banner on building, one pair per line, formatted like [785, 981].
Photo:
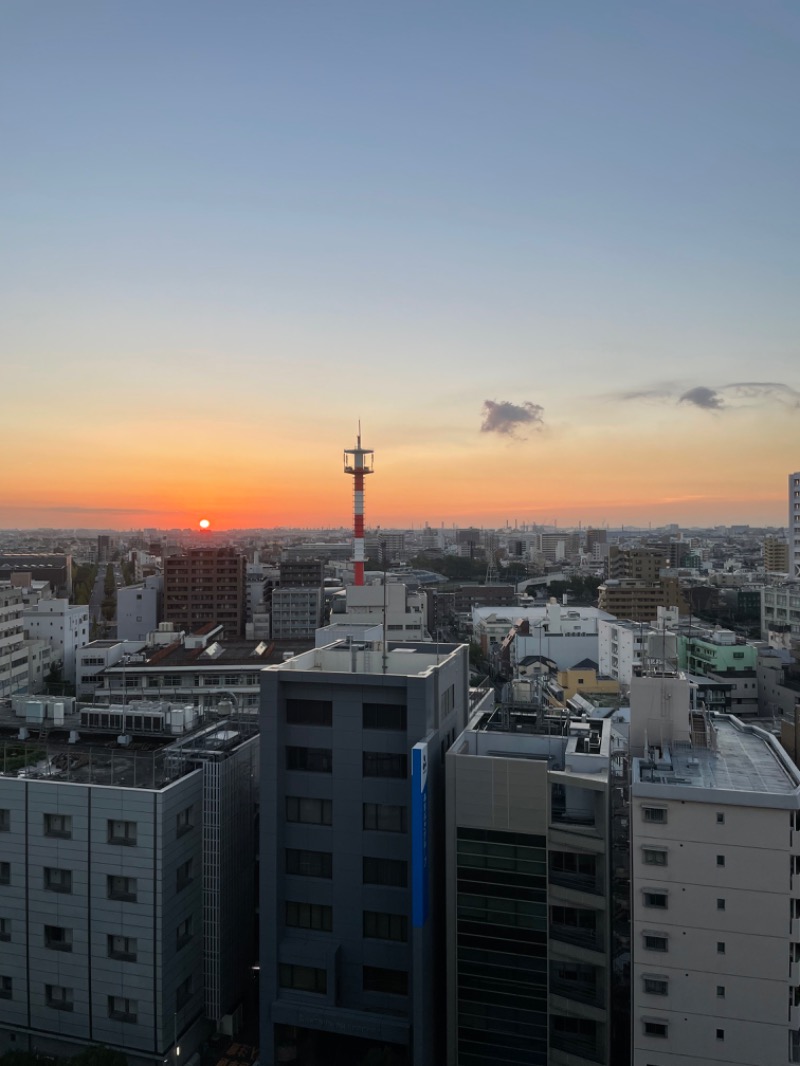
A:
[419, 834]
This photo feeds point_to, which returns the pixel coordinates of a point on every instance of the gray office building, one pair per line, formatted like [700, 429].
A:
[126, 880]
[352, 852]
[529, 878]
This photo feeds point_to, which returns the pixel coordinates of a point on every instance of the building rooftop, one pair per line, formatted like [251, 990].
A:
[344, 657]
[738, 758]
[255, 653]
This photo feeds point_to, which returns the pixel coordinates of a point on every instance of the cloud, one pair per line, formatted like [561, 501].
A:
[505, 417]
[729, 397]
[703, 397]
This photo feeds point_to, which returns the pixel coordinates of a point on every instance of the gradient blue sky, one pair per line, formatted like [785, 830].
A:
[231, 229]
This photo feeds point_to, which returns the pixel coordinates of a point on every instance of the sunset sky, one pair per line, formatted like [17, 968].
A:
[547, 252]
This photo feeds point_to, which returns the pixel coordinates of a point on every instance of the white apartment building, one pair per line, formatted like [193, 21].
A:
[138, 608]
[794, 524]
[95, 657]
[625, 647]
[715, 886]
[780, 609]
[64, 626]
[404, 610]
[296, 612]
[564, 634]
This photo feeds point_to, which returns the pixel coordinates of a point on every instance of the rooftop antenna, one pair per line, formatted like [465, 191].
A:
[358, 462]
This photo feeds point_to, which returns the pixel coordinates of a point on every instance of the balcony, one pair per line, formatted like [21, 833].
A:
[577, 882]
[578, 991]
[583, 1047]
[590, 938]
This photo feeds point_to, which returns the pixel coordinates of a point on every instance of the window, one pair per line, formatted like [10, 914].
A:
[380, 926]
[309, 712]
[122, 833]
[309, 863]
[309, 811]
[121, 947]
[183, 875]
[655, 1028]
[5, 928]
[654, 857]
[383, 716]
[184, 821]
[721, 991]
[655, 814]
[720, 947]
[6, 988]
[720, 1034]
[390, 872]
[381, 979]
[58, 997]
[184, 933]
[317, 760]
[5, 820]
[57, 938]
[56, 880]
[720, 818]
[720, 860]
[384, 764]
[58, 825]
[655, 899]
[303, 978]
[385, 817]
[121, 888]
[5, 873]
[122, 1009]
[183, 993]
[656, 942]
[656, 986]
[720, 904]
[316, 916]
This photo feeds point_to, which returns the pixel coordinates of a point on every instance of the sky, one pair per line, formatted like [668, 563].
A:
[546, 252]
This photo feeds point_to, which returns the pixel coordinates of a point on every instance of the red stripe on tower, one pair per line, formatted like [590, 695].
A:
[358, 462]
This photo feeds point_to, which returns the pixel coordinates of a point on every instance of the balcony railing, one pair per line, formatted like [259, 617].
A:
[576, 1045]
[580, 992]
[580, 882]
[573, 934]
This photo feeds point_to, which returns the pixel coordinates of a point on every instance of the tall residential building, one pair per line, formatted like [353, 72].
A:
[794, 524]
[636, 564]
[780, 610]
[13, 654]
[529, 902]
[296, 612]
[639, 601]
[206, 585]
[715, 885]
[352, 851]
[776, 555]
[126, 881]
[64, 626]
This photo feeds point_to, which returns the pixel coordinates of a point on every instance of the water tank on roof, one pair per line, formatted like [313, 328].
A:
[34, 711]
[58, 713]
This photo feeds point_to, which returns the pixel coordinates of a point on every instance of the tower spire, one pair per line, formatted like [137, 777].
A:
[358, 463]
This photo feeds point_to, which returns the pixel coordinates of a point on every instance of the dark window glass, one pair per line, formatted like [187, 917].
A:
[121, 888]
[383, 716]
[58, 825]
[303, 978]
[57, 938]
[390, 872]
[309, 811]
[317, 760]
[309, 863]
[384, 764]
[381, 926]
[309, 712]
[122, 948]
[183, 875]
[122, 833]
[56, 880]
[309, 916]
[381, 979]
[386, 817]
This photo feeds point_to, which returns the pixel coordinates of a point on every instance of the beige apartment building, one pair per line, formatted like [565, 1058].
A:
[638, 601]
[715, 886]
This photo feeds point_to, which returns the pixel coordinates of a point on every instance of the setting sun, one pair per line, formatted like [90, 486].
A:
[204, 523]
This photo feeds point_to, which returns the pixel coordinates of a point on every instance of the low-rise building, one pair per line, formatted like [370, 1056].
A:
[139, 608]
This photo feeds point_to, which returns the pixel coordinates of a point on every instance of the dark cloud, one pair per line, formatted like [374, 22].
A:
[703, 397]
[765, 390]
[506, 417]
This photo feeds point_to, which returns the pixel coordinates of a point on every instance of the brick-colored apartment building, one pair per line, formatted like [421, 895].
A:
[206, 585]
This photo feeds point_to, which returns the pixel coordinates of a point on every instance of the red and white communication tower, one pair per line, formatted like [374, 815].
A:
[358, 462]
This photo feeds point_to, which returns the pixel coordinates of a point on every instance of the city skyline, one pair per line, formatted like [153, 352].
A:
[546, 254]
